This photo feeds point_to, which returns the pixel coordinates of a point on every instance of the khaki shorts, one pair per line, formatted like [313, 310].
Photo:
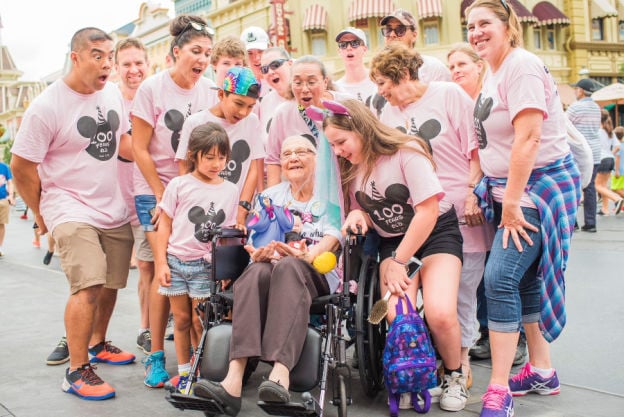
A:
[143, 250]
[4, 211]
[91, 256]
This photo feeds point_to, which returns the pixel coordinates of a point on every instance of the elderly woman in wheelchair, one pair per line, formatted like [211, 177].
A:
[274, 294]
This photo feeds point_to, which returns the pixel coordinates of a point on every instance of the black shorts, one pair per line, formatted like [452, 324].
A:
[444, 238]
[606, 165]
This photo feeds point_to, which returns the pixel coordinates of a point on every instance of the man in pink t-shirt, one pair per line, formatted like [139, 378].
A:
[65, 161]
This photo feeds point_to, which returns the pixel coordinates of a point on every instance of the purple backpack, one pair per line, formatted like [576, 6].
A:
[409, 360]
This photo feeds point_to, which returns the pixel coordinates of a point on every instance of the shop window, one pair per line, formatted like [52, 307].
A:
[431, 33]
[550, 39]
[597, 30]
[319, 44]
[537, 38]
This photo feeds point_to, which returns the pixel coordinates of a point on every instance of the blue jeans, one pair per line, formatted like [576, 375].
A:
[511, 285]
[145, 205]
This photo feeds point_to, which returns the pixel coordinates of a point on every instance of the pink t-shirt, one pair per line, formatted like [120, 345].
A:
[125, 173]
[397, 184]
[195, 207]
[245, 143]
[363, 90]
[287, 121]
[165, 106]
[443, 118]
[522, 82]
[74, 138]
[268, 106]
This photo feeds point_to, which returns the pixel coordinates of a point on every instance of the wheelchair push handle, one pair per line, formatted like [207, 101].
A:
[226, 232]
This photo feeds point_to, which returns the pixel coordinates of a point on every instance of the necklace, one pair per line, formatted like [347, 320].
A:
[308, 215]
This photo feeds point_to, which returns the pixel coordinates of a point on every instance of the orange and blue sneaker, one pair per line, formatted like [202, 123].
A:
[85, 383]
[105, 352]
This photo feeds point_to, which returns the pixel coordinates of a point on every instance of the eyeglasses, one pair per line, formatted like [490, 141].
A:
[354, 44]
[273, 65]
[198, 27]
[506, 6]
[298, 153]
[398, 31]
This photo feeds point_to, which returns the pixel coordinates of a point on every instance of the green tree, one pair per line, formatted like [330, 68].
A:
[6, 156]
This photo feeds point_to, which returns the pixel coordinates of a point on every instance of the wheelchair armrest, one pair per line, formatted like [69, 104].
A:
[230, 232]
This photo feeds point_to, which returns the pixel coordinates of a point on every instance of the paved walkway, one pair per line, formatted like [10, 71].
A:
[589, 355]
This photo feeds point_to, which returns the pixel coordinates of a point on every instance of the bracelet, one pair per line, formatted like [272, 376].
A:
[245, 204]
[397, 261]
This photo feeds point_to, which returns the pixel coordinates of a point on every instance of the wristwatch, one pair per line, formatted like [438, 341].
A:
[245, 204]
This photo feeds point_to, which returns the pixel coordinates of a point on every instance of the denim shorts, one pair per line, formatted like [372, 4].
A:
[512, 288]
[190, 277]
[145, 205]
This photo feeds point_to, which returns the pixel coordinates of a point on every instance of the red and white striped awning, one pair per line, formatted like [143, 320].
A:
[548, 14]
[363, 9]
[429, 8]
[315, 18]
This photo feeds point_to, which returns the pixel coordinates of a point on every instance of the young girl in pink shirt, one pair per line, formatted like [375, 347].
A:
[192, 205]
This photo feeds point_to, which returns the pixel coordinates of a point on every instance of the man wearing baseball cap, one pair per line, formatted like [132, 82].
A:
[256, 40]
[237, 98]
[585, 115]
[401, 26]
[352, 48]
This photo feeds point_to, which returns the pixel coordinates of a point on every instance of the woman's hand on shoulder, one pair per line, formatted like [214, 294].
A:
[356, 222]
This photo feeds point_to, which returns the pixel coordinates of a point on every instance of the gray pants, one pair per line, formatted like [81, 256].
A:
[272, 309]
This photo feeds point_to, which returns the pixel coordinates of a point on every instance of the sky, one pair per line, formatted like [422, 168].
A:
[38, 32]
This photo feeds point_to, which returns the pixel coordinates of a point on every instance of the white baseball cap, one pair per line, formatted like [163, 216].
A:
[255, 38]
[359, 33]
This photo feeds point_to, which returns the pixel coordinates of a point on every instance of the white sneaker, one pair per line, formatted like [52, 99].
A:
[436, 393]
[454, 392]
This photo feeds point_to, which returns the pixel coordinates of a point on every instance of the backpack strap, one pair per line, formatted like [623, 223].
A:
[393, 403]
[399, 306]
[426, 397]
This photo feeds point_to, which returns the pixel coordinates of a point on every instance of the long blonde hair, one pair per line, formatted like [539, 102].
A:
[377, 139]
[507, 15]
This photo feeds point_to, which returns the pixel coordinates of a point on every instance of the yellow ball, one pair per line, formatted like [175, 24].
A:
[325, 262]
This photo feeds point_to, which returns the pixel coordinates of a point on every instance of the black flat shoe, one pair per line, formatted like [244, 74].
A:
[273, 392]
[215, 391]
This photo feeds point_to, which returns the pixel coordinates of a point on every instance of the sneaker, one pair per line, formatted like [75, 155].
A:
[144, 342]
[454, 392]
[528, 381]
[182, 382]
[481, 349]
[36, 243]
[155, 373]
[590, 229]
[47, 258]
[105, 352]
[24, 216]
[497, 402]
[169, 329]
[60, 354]
[521, 351]
[618, 206]
[85, 383]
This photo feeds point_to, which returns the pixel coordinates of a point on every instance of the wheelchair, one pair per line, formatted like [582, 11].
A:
[323, 357]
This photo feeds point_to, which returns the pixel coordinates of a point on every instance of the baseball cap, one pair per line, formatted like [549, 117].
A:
[403, 16]
[359, 33]
[241, 81]
[255, 38]
[588, 85]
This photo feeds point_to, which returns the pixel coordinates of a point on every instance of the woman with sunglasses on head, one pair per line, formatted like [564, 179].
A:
[274, 293]
[162, 103]
[531, 190]
[390, 184]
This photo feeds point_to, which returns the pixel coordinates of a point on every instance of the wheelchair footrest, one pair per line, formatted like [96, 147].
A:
[192, 402]
[288, 409]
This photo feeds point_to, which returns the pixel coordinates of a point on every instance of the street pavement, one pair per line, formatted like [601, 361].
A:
[589, 355]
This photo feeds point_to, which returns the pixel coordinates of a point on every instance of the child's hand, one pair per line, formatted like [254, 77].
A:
[155, 212]
[163, 274]
[355, 222]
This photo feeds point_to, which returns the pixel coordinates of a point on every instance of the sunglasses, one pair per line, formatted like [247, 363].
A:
[273, 65]
[398, 31]
[198, 27]
[506, 6]
[354, 44]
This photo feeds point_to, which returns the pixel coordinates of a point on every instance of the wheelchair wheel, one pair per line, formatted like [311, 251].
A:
[342, 392]
[370, 339]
